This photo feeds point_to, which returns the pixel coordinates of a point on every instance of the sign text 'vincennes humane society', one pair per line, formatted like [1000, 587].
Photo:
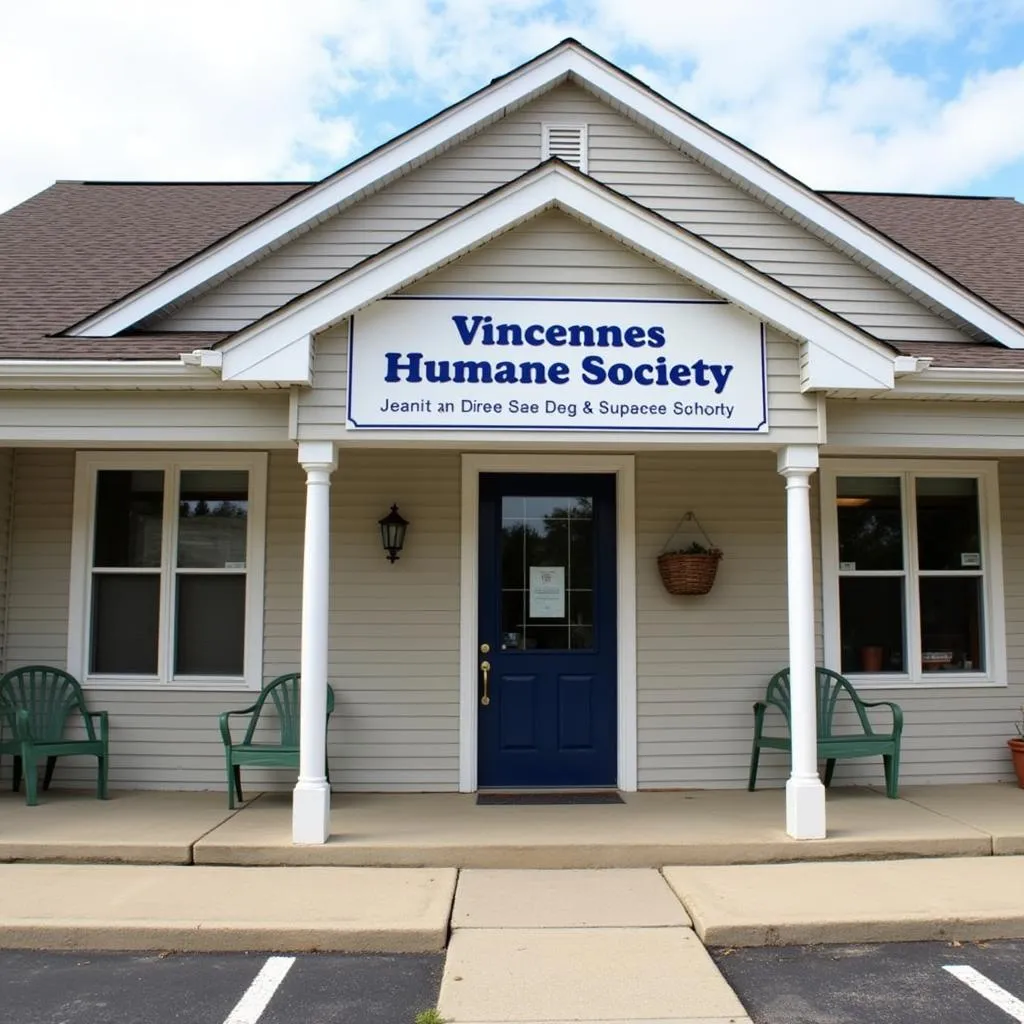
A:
[556, 364]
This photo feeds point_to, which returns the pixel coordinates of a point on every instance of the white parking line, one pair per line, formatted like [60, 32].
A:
[251, 1006]
[1006, 1002]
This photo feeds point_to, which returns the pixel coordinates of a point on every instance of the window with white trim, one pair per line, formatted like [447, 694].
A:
[167, 569]
[911, 572]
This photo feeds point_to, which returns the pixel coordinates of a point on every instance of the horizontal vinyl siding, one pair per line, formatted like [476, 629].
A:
[543, 257]
[144, 417]
[393, 629]
[623, 155]
[6, 493]
[941, 428]
[703, 661]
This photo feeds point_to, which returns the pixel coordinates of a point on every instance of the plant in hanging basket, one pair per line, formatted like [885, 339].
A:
[690, 570]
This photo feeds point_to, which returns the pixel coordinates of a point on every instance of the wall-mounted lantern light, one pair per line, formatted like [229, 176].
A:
[392, 533]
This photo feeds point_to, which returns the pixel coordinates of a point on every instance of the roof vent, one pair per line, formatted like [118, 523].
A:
[566, 141]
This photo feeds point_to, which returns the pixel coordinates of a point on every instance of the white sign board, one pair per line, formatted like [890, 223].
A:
[547, 592]
[557, 364]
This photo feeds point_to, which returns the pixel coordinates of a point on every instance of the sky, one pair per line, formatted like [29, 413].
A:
[888, 95]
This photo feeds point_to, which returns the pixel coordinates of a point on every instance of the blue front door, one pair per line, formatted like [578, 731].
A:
[547, 643]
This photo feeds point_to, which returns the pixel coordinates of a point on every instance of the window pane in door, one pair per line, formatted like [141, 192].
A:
[952, 636]
[872, 630]
[870, 523]
[129, 518]
[948, 531]
[209, 635]
[547, 611]
[125, 623]
[213, 507]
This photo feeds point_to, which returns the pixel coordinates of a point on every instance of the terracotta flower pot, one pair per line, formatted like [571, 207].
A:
[1017, 751]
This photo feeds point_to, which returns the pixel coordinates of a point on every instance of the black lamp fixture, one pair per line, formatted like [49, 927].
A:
[392, 533]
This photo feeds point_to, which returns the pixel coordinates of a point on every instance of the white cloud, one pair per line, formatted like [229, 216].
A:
[263, 88]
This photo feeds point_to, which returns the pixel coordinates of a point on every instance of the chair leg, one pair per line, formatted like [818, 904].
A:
[755, 756]
[101, 776]
[16, 776]
[51, 763]
[892, 775]
[31, 781]
[830, 767]
[238, 783]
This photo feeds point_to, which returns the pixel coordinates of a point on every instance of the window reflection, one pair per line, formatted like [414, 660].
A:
[552, 533]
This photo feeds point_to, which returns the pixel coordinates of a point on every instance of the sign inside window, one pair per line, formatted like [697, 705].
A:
[547, 592]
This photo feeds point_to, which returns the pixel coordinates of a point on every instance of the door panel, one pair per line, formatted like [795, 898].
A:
[547, 614]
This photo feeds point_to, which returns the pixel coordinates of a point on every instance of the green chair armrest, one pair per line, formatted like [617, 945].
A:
[897, 713]
[22, 725]
[760, 707]
[225, 728]
[104, 723]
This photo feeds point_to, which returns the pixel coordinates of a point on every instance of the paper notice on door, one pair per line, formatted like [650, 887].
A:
[547, 592]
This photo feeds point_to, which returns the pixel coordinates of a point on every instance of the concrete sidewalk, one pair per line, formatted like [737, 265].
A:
[581, 946]
[524, 946]
[197, 909]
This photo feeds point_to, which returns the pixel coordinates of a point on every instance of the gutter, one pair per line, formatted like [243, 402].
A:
[198, 369]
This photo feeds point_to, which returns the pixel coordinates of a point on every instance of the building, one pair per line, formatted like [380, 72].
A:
[546, 324]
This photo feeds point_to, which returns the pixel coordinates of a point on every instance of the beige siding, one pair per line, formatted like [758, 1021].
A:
[702, 661]
[544, 257]
[623, 155]
[938, 428]
[6, 494]
[144, 417]
[394, 629]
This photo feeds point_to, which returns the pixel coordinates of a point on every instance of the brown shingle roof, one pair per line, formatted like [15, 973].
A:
[978, 241]
[78, 246]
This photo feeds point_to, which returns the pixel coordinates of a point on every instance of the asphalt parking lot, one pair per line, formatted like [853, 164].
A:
[896, 983]
[101, 988]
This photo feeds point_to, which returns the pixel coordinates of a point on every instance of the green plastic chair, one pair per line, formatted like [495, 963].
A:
[831, 689]
[36, 702]
[283, 694]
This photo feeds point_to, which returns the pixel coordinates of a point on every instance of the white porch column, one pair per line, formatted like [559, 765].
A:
[311, 799]
[805, 795]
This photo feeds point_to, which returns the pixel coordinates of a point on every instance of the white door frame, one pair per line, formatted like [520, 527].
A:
[623, 467]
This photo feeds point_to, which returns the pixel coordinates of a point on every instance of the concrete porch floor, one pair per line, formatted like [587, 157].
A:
[450, 830]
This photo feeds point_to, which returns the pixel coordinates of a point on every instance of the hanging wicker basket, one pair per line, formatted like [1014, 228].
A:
[690, 571]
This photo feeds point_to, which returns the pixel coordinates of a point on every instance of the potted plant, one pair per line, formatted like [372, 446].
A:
[689, 570]
[1016, 745]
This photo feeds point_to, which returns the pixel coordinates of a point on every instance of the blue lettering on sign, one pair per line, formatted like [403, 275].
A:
[415, 368]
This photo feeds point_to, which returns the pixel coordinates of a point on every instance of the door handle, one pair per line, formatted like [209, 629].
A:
[485, 668]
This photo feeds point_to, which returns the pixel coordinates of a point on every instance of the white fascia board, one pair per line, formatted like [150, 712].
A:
[101, 373]
[963, 382]
[488, 104]
[313, 203]
[801, 200]
[869, 364]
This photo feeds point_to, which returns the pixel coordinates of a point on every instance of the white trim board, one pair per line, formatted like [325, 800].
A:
[994, 601]
[567, 60]
[623, 466]
[866, 363]
[87, 465]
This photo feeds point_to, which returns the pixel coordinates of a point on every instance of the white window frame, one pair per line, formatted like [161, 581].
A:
[87, 466]
[989, 521]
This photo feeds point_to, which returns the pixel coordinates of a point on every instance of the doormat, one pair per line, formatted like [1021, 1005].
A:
[506, 799]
